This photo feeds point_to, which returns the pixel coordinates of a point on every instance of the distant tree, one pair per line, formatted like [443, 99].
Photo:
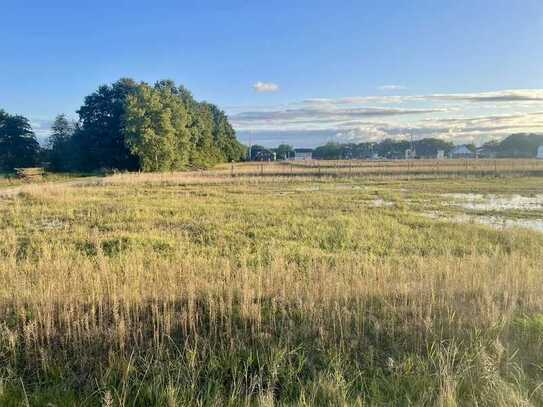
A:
[389, 148]
[330, 151]
[491, 145]
[520, 145]
[61, 153]
[361, 150]
[284, 151]
[428, 147]
[18, 144]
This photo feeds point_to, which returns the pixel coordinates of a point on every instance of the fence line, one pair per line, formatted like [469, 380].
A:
[399, 168]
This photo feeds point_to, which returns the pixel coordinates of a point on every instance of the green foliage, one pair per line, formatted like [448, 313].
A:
[60, 144]
[136, 126]
[284, 151]
[156, 128]
[18, 144]
[100, 142]
[519, 145]
[330, 151]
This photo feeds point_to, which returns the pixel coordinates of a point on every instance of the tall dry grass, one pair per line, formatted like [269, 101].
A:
[164, 293]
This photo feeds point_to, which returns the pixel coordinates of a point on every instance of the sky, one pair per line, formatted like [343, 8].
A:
[297, 72]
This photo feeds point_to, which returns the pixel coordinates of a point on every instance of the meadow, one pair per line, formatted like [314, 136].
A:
[269, 288]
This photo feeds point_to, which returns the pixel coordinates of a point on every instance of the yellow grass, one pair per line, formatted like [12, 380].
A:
[201, 288]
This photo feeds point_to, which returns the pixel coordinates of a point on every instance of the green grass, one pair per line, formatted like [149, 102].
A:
[265, 291]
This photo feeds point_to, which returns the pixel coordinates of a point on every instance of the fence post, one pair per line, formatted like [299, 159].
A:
[232, 169]
[261, 169]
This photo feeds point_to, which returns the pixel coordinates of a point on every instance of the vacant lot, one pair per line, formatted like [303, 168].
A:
[178, 289]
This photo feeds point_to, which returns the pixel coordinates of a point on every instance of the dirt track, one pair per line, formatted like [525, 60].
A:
[14, 191]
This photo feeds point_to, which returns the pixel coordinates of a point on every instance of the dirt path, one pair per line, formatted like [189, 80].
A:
[80, 182]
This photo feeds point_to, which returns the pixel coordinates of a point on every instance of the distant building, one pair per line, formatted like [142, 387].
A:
[461, 152]
[410, 154]
[303, 154]
[258, 153]
[540, 152]
[440, 154]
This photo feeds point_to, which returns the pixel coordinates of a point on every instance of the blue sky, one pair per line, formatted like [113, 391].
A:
[303, 72]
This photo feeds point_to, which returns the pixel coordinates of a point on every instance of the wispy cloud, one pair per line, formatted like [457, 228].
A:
[265, 87]
[391, 88]
[459, 117]
[322, 113]
[529, 95]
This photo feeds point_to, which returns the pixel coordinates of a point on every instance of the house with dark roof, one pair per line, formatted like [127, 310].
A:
[259, 153]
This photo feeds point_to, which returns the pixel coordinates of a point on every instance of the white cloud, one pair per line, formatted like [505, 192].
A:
[459, 117]
[265, 87]
[519, 95]
[390, 88]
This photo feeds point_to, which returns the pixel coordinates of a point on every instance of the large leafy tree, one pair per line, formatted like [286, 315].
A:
[18, 144]
[101, 139]
[156, 128]
[224, 136]
[135, 126]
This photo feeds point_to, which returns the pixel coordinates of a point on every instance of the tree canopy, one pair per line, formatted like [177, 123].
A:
[59, 143]
[387, 148]
[519, 145]
[137, 126]
[284, 151]
[18, 144]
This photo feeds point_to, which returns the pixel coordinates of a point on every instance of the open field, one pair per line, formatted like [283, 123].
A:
[9, 180]
[317, 289]
[388, 168]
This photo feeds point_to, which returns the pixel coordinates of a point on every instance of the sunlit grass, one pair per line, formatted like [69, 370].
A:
[183, 289]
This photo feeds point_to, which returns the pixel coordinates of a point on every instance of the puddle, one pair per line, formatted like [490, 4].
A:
[381, 203]
[492, 202]
[496, 222]
[50, 224]
[308, 189]
[347, 186]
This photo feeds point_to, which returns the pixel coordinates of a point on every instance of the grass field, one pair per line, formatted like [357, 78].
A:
[207, 289]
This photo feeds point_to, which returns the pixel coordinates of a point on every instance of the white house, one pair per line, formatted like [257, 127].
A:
[410, 154]
[303, 154]
[540, 152]
[440, 154]
[461, 152]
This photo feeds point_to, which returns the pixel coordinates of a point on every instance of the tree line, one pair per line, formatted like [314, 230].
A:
[127, 126]
[387, 148]
[519, 145]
